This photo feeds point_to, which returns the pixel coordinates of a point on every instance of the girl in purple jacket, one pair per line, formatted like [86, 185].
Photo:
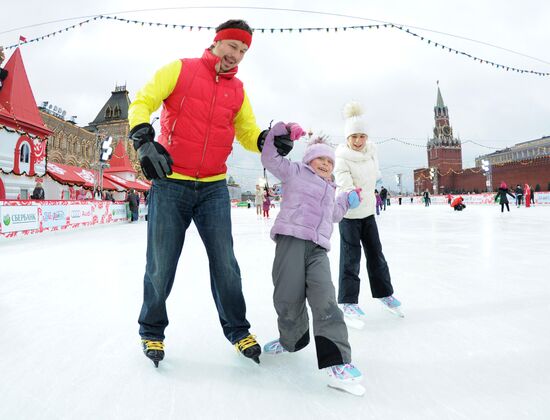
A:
[301, 267]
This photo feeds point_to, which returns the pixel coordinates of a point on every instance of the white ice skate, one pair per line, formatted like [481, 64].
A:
[392, 305]
[353, 315]
[346, 378]
[274, 347]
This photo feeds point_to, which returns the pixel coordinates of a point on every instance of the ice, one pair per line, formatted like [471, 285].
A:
[474, 344]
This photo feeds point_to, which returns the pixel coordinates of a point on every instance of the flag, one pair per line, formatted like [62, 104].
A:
[22, 38]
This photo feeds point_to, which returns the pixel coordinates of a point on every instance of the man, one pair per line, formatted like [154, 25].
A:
[204, 107]
[384, 196]
[133, 203]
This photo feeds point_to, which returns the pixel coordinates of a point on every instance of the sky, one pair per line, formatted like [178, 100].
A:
[473, 345]
[308, 77]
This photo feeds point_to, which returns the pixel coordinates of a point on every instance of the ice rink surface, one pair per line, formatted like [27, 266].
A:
[474, 344]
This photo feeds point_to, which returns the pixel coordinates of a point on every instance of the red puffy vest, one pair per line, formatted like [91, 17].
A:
[197, 118]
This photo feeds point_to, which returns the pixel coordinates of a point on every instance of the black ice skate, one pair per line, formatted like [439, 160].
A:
[154, 350]
[250, 348]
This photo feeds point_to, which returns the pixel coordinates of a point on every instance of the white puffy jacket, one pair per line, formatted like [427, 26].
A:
[358, 169]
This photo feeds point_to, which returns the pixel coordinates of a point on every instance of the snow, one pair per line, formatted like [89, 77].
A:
[474, 343]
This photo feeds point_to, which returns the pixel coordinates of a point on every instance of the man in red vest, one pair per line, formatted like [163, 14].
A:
[204, 107]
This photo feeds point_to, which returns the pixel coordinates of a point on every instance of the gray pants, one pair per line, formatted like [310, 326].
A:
[302, 270]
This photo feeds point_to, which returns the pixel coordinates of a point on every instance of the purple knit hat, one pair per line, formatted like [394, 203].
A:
[318, 147]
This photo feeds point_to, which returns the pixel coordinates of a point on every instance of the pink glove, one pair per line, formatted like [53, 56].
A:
[358, 191]
[295, 131]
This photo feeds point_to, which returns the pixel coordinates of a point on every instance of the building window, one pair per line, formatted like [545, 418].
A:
[24, 153]
[108, 112]
[116, 113]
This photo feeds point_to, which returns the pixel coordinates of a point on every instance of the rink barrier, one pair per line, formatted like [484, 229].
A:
[28, 217]
[541, 198]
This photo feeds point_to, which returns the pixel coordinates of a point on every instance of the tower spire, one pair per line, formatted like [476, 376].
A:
[440, 103]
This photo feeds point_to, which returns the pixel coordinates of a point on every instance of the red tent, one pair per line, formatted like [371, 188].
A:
[18, 108]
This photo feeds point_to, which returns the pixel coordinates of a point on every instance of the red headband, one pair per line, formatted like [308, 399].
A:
[234, 33]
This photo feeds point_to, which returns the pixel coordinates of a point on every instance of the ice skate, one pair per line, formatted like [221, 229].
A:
[274, 347]
[249, 347]
[354, 316]
[392, 305]
[346, 378]
[154, 350]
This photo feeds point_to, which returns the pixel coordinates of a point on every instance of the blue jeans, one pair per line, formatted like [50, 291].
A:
[173, 204]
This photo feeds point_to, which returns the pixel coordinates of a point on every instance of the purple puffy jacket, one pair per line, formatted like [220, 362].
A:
[309, 207]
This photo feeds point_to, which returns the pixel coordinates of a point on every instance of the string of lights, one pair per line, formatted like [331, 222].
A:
[401, 28]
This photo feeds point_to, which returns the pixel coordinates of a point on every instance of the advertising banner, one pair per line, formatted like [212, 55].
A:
[80, 213]
[54, 216]
[118, 211]
[542, 197]
[18, 218]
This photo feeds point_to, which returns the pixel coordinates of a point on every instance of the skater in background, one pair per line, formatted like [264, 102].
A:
[259, 200]
[301, 268]
[519, 195]
[378, 202]
[133, 203]
[427, 199]
[384, 197]
[502, 198]
[266, 205]
[204, 108]
[449, 198]
[357, 167]
[458, 203]
[528, 193]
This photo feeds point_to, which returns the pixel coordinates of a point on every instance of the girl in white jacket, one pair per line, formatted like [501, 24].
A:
[357, 167]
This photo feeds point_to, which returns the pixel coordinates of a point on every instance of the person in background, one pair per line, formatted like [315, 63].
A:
[427, 199]
[259, 200]
[38, 192]
[301, 268]
[108, 196]
[357, 167]
[266, 203]
[3, 73]
[502, 198]
[384, 196]
[133, 203]
[528, 193]
[378, 204]
[519, 195]
[458, 203]
[204, 108]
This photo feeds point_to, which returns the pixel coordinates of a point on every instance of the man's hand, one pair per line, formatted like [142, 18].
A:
[155, 161]
[283, 137]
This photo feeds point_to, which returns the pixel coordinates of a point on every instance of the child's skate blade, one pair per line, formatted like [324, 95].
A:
[352, 388]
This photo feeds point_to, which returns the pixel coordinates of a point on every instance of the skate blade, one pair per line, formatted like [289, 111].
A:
[351, 388]
[396, 311]
[354, 323]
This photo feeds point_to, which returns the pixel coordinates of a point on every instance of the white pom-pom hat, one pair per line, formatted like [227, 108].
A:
[355, 123]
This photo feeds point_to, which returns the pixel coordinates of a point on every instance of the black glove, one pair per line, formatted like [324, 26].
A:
[282, 143]
[154, 159]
